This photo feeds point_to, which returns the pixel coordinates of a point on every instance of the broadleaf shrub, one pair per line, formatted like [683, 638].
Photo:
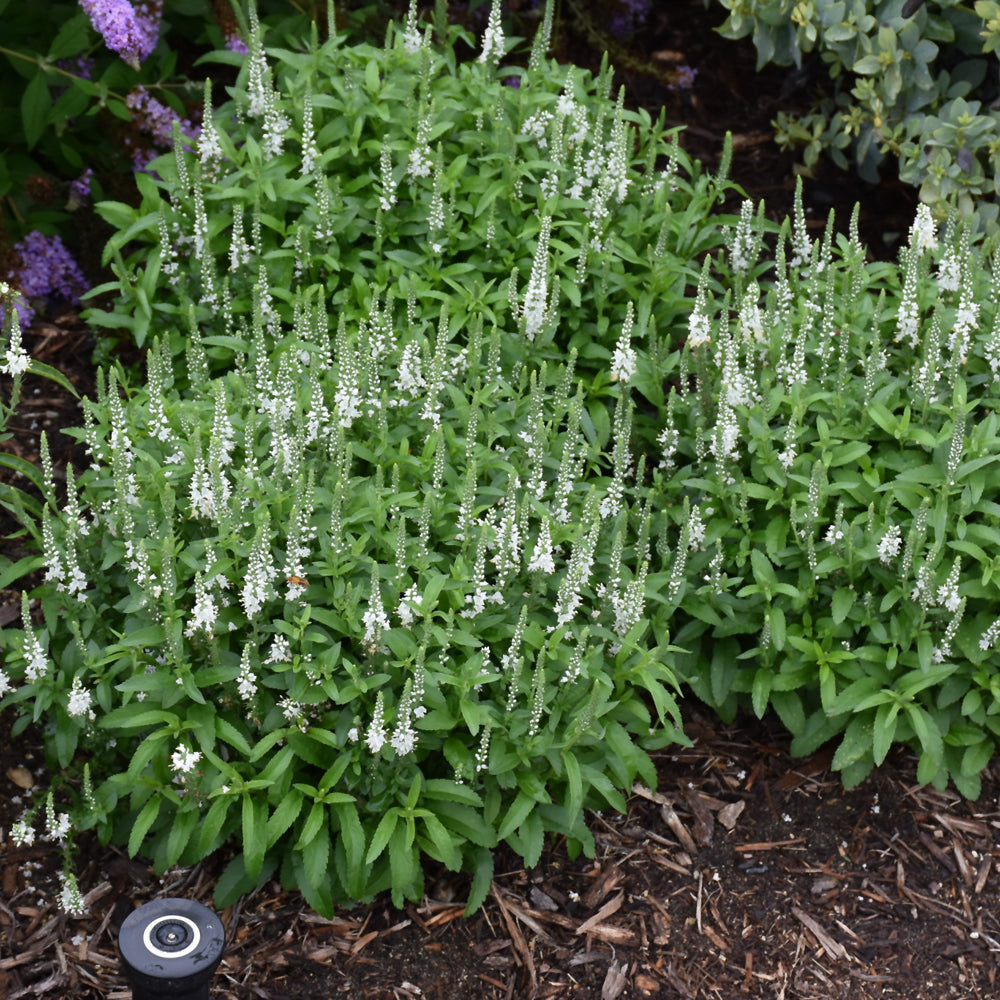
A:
[835, 464]
[464, 445]
[914, 81]
[357, 575]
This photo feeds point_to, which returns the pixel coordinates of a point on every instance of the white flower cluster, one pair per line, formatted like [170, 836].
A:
[79, 700]
[923, 232]
[183, 760]
[534, 309]
[493, 37]
[624, 359]
[890, 544]
[16, 359]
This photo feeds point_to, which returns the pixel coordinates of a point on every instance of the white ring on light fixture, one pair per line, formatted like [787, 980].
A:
[159, 952]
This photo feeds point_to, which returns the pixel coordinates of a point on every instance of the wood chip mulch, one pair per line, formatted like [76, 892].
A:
[746, 874]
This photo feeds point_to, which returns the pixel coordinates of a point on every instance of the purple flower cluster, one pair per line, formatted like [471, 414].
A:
[236, 44]
[46, 269]
[81, 66]
[79, 190]
[632, 13]
[130, 31]
[157, 121]
[684, 78]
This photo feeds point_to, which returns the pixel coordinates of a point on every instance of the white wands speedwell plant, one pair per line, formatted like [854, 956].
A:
[467, 434]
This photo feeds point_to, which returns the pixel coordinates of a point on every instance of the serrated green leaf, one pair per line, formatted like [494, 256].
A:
[516, 815]
[254, 833]
[843, 600]
[284, 815]
[446, 848]
[482, 880]
[212, 824]
[380, 838]
[143, 822]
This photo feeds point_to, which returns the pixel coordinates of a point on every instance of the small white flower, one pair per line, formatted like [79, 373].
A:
[923, 232]
[22, 833]
[890, 544]
[493, 37]
[281, 651]
[183, 760]
[623, 363]
[376, 737]
[70, 898]
[79, 699]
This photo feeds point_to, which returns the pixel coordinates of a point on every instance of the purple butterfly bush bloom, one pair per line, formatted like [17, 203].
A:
[684, 78]
[79, 190]
[155, 118]
[130, 31]
[46, 270]
[236, 44]
[632, 13]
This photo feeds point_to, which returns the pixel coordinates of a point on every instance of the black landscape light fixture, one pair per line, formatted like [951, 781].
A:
[170, 948]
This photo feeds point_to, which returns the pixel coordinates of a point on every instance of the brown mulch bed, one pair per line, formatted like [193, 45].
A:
[746, 874]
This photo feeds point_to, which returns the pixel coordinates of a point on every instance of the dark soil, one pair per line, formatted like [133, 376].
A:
[745, 874]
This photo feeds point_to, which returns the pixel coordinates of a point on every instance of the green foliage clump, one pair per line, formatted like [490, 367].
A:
[836, 462]
[917, 81]
[358, 574]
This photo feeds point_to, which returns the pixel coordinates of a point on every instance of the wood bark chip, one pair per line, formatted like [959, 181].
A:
[521, 950]
[615, 981]
[729, 814]
[612, 906]
[767, 845]
[834, 949]
[704, 823]
[677, 828]
[607, 880]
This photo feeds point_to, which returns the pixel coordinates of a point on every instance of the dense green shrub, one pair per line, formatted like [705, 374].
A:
[358, 575]
[838, 459]
[461, 443]
[917, 81]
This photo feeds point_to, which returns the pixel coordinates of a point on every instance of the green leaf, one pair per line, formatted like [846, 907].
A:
[143, 822]
[404, 865]
[134, 716]
[181, 828]
[24, 566]
[763, 571]
[445, 846]
[855, 745]
[383, 832]
[284, 816]
[53, 375]
[213, 823]
[532, 837]
[761, 691]
[574, 785]
[927, 731]
[35, 103]
[315, 882]
[312, 825]
[254, 833]
[352, 836]
[516, 815]
[843, 600]
[883, 731]
[482, 880]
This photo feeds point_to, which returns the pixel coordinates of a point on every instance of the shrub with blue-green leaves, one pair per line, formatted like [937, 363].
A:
[838, 463]
[916, 81]
[357, 574]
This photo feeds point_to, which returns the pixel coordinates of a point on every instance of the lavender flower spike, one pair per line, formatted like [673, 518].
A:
[130, 31]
